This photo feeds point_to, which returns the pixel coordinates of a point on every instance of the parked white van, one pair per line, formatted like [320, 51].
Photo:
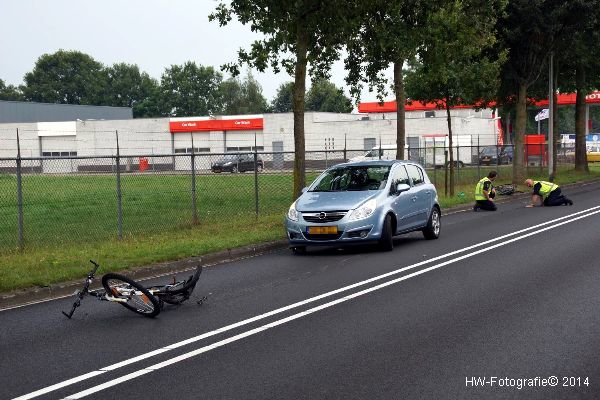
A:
[384, 152]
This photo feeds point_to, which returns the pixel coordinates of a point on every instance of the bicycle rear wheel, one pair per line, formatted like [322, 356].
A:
[139, 299]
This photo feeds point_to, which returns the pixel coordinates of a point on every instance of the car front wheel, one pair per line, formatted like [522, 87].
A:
[432, 230]
[386, 242]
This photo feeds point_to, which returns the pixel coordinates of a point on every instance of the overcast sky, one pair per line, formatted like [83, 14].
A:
[153, 34]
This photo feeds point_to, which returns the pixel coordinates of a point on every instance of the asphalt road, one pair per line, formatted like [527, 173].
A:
[495, 308]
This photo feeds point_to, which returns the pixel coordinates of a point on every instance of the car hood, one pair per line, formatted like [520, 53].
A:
[332, 201]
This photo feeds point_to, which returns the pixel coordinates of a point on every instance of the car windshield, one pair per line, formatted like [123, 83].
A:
[230, 157]
[374, 153]
[488, 151]
[353, 178]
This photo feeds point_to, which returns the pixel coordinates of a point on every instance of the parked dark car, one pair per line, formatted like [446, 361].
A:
[237, 163]
[490, 155]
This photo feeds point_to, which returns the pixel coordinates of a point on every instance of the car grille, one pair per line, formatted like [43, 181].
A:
[324, 216]
[323, 237]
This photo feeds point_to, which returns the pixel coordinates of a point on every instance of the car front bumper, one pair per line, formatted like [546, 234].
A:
[349, 232]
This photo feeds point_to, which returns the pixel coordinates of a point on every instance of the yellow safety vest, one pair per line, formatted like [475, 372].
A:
[479, 189]
[546, 188]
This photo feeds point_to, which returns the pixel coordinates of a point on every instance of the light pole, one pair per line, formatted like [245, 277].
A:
[551, 119]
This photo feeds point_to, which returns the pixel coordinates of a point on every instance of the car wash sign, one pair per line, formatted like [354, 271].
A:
[207, 124]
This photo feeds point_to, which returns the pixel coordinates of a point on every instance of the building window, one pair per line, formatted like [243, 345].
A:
[188, 150]
[59, 154]
[429, 114]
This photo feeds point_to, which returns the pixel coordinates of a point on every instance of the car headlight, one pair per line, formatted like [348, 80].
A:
[293, 213]
[364, 211]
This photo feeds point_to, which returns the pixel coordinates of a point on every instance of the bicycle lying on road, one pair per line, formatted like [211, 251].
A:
[147, 301]
[506, 190]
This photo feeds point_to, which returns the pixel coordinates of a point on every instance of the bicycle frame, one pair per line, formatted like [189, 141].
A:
[174, 293]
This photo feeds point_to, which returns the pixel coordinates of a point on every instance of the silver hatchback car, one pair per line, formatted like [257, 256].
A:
[364, 202]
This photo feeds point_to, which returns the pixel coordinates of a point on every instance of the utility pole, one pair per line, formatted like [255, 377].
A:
[551, 119]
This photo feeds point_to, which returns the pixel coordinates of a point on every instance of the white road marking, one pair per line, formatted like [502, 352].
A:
[221, 343]
[307, 301]
[59, 385]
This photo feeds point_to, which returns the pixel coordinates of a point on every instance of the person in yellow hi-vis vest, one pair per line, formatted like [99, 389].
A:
[485, 193]
[547, 194]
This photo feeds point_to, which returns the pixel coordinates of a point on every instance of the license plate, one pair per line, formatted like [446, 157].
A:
[322, 230]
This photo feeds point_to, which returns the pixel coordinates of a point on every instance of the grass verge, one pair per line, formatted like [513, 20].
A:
[157, 242]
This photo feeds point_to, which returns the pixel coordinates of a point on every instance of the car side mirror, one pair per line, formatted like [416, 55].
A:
[401, 187]
[304, 189]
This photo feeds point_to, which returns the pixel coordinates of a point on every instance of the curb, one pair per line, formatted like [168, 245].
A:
[28, 296]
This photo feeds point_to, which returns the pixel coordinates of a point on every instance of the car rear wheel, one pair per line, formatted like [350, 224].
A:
[259, 168]
[386, 242]
[234, 169]
[432, 230]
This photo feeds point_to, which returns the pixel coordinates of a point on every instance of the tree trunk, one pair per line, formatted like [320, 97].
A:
[400, 101]
[451, 154]
[298, 107]
[580, 151]
[520, 124]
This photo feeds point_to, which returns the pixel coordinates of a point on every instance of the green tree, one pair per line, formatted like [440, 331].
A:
[324, 96]
[579, 57]
[190, 89]
[10, 92]
[243, 97]
[457, 63]
[529, 30]
[392, 32]
[297, 34]
[284, 98]
[66, 77]
[126, 86]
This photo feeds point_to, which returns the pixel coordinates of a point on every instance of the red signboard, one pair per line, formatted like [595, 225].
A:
[206, 125]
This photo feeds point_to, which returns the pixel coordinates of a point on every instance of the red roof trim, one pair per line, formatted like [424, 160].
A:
[390, 106]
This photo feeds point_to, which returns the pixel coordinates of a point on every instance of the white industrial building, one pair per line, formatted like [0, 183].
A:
[225, 134]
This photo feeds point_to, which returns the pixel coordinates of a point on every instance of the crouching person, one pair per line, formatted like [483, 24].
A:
[546, 193]
[485, 193]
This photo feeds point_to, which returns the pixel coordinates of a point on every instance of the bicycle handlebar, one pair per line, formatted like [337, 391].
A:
[85, 290]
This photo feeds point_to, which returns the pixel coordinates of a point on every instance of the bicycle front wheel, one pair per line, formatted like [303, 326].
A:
[131, 294]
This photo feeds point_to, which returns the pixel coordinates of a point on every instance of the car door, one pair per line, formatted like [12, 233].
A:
[245, 163]
[420, 194]
[402, 204]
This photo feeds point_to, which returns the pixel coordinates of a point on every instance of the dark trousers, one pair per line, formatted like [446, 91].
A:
[486, 205]
[555, 198]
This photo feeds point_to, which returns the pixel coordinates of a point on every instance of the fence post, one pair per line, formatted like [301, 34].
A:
[541, 159]
[256, 182]
[478, 163]
[345, 151]
[458, 163]
[434, 164]
[20, 194]
[119, 197]
[194, 208]
[380, 147]
[445, 172]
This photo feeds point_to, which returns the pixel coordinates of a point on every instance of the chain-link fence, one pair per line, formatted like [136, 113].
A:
[69, 199]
